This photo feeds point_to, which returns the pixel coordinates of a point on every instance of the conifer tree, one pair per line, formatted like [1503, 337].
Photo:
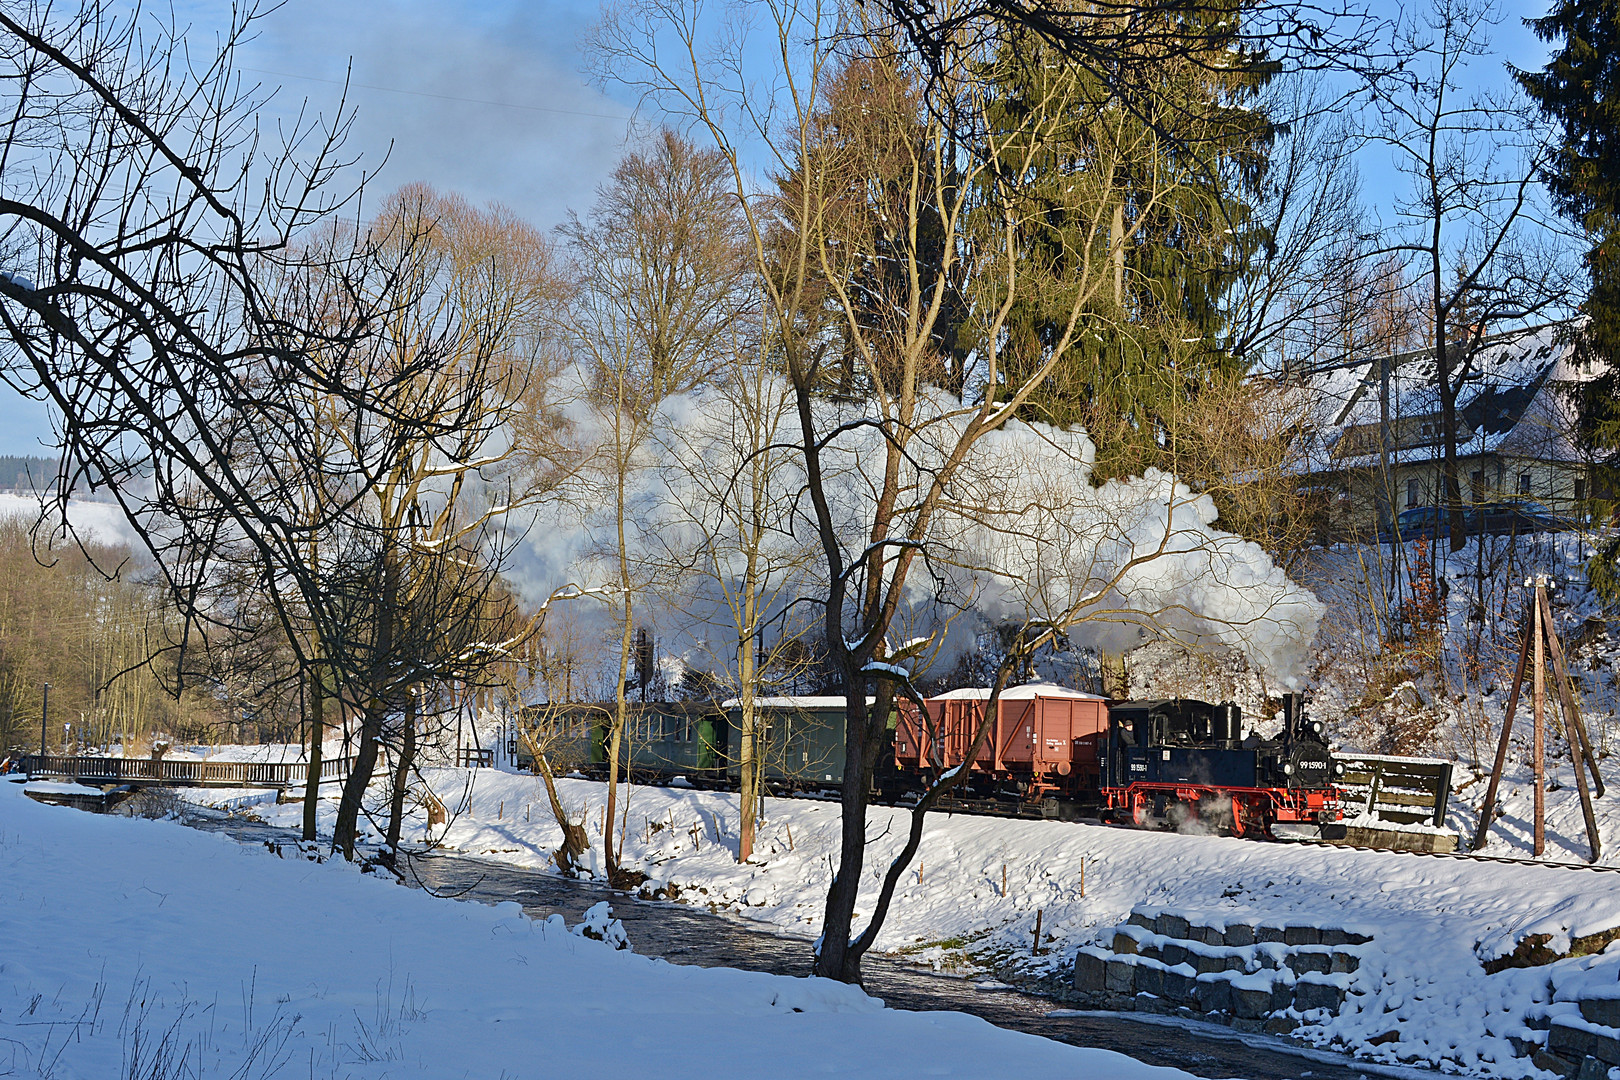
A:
[1580, 90]
[1187, 154]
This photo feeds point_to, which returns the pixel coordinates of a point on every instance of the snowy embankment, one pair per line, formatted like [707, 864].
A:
[142, 948]
[1421, 994]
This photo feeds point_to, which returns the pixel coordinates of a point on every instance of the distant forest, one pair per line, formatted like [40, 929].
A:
[26, 473]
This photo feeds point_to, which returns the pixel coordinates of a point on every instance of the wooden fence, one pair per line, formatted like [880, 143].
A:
[1403, 790]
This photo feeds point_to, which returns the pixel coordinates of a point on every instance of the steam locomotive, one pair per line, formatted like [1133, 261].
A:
[1176, 762]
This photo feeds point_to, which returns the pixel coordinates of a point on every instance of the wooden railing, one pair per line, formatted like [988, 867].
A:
[1397, 789]
[153, 772]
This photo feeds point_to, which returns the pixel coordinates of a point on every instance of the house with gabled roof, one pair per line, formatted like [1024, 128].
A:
[1375, 427]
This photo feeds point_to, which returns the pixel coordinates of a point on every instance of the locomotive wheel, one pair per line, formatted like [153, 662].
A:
[1144, 813]
[1218, 813]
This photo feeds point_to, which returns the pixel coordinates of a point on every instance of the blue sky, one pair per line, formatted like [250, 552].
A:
[489, 99]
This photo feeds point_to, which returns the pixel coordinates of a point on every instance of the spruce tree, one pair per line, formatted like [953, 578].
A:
[1179, 157]
[1578, 90]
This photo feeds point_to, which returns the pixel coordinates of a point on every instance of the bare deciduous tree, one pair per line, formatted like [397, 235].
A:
[1489, 252]
[658, 266]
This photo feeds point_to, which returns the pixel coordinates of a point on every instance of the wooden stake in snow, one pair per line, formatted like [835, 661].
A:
[1004, 881]
[500, 812]
[790, 837]
[1037, 950]
[1541, 636]
[1082, 877]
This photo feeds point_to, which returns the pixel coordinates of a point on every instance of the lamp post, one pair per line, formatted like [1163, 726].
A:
[44, 715]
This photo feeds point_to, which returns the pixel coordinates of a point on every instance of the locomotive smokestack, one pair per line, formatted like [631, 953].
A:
[1293, 713]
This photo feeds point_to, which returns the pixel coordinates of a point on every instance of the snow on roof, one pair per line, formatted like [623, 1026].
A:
[1505, 404]
[1016, 693]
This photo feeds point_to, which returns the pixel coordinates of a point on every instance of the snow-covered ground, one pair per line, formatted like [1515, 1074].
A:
[137, 948]
[1433, 921]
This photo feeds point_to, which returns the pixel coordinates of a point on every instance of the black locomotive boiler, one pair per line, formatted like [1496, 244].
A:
[1179, 762]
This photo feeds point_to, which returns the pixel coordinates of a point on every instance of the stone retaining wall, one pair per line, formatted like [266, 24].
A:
[1256, 978]
[1274, 978]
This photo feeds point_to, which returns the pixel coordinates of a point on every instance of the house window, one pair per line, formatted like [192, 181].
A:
[1476, 485]
[1411, 494]
[1524, 483]
[1580, 490]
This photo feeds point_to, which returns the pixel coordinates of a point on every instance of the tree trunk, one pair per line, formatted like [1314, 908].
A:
[621, 710]
[317, 732]
[371, 722]
[576, 841]
[345, 831]
[402, 776]
[836, 957]
[747, 771]
[1451, 485]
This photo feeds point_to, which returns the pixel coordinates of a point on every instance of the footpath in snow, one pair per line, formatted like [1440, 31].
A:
[136, 948]
[1420, 996]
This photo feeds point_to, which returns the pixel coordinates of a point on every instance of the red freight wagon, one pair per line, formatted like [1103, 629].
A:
[1045, 738]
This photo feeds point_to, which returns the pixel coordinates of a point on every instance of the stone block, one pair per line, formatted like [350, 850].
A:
[1264, 934]
[1205, 965]
[1236, 963]
[1282, 997]
[1146, 922]
[1250, 1003]
[1592, 1069]
[1344, 963]
[1088, 973]
[1149, 952]
[1332, 935]
[1537, 1021]
[1279, 1025]
[1173, 926]
[1208, 935]
[1606, 1048]
[1214, 995]
[1553, 1063]
[1303, 962]
[1173, 954]
[1314, 995]
[1302, 935]
[1178, 988]
[1570, 1042]
[1124, 945]
[1239, 936]
[1605, 1011]
[1523, 1047]
[1150, 980]
[1119, 976]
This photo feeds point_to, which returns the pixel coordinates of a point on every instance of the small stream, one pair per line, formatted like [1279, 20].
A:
[687, 935]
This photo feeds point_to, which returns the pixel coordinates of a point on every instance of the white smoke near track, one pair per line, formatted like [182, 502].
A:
[1021, 533]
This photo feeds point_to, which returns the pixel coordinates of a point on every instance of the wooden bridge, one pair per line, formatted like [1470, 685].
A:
[149, 772]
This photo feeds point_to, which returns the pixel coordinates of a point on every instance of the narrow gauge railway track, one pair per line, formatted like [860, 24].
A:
[1465, 855]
